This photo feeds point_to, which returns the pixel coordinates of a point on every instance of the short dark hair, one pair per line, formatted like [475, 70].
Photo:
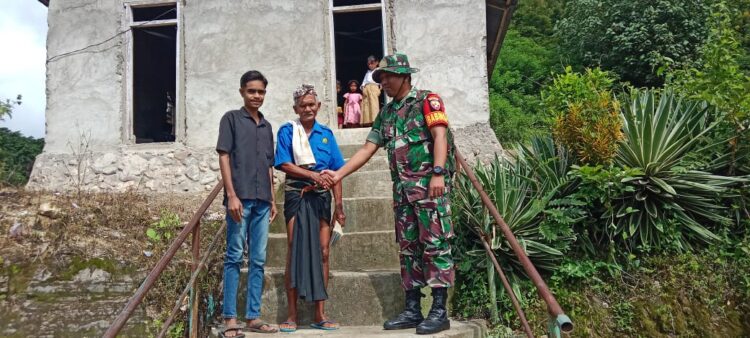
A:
[253, 75]
[371, 58]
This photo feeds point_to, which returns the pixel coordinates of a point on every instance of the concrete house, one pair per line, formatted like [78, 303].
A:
[136, 88]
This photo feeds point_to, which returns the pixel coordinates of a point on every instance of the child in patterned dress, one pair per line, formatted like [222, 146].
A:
[352, 111]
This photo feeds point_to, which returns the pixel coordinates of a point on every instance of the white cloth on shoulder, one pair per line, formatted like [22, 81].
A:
[303, 154]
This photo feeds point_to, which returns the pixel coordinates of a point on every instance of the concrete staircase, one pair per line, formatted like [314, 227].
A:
[364, 285]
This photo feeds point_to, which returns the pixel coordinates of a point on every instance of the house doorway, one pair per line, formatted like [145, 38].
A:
[358, 33]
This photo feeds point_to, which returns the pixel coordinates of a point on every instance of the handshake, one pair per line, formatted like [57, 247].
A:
[326, 179]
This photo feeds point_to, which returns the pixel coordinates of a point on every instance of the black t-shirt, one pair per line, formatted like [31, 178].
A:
[250, 149]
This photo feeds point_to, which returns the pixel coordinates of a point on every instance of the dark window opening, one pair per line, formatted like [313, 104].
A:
[337, 3]
[154, 83]
[168, 12]
[357, 36]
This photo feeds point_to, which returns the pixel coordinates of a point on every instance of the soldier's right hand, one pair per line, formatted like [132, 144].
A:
[332, 176]
[234, 205]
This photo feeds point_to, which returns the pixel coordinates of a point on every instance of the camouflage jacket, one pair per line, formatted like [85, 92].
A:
[402, 128]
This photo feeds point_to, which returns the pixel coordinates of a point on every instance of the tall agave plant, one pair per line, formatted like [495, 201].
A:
[669, 204]
[523, 189]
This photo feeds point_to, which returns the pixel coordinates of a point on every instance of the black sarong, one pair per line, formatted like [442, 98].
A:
[307, 208]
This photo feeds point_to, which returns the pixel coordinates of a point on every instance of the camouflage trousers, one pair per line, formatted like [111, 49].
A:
[423, 230]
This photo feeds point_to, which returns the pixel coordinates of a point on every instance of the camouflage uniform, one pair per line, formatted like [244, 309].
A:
[423, 225]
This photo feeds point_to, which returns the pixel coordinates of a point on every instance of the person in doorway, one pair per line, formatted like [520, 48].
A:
[305, 148]
[339, 105]
[413, 128]
[245, 148]
[352, 112]
[370, 94]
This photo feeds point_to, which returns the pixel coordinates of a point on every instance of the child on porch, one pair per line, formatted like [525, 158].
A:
[352, 112]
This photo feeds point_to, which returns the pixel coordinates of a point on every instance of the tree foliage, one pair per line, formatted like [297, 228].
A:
[516, 112]
[633, 38]
[17, 154]
[6, 107]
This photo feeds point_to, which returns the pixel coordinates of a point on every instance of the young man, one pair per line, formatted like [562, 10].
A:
[245, 148]
[370, 93]
[414, 130]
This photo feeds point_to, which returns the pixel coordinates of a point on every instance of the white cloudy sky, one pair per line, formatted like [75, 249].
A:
[23, 32]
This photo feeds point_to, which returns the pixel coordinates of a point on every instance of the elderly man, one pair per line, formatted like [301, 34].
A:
[305, 148]
[413, 128]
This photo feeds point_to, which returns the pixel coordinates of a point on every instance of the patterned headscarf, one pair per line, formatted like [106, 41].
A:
[304, 89]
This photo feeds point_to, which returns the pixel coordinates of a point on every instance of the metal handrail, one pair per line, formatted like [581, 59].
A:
[188, 286]
[192, 227]
[559, 320]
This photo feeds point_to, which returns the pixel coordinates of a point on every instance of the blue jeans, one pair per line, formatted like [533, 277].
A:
[253, 231]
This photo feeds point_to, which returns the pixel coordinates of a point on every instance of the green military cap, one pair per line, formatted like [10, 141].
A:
[397, 63]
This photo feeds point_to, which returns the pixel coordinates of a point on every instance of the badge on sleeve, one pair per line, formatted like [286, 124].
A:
[325, 140]
[434, 111]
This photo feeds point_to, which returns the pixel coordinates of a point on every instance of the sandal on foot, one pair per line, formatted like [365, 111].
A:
[237, 331]
[292, 327]
[257, 327]
[322, 325]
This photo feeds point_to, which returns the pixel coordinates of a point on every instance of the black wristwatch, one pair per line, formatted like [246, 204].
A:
[438, 170]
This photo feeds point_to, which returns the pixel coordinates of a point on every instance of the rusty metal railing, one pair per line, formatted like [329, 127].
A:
[192, 228]
[559, 322]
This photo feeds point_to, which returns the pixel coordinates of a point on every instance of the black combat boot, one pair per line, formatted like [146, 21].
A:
[437, 319]
[412, 315]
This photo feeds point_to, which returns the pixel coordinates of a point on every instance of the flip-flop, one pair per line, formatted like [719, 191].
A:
[289, 329]
[235, 328]
[257, 327]
[322, 325]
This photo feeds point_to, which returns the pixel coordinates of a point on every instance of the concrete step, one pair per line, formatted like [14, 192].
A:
[361, 184]
[348, 150]
[377, 162]
[357, 251]
[355, 136]
[459, 329]
[355, 298]
[362, 214]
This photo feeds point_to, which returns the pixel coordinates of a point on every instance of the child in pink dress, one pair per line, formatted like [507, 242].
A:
[352, 112]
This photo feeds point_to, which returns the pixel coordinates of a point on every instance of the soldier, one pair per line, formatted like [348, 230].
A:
[413, 128]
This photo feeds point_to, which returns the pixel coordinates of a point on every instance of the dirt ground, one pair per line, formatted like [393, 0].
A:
[39, 225]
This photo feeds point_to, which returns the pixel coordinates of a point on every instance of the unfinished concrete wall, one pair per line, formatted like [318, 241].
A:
[446, 40]
[83, 88]
[289, 41]
[286, 40]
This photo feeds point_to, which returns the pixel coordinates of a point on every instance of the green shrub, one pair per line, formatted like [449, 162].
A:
[722, 80]
[586, 114]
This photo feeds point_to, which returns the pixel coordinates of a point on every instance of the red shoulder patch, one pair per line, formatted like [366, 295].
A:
[434, 111]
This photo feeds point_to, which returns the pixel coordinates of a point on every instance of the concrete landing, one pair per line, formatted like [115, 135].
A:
[459, 329]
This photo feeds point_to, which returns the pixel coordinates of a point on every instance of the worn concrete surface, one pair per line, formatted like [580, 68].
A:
[355, 298]
[459, 329]
[357, 251]
[362, 214]
[80, 306]
[452, 61]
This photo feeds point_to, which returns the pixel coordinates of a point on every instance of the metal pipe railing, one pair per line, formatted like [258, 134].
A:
[561, 321]
[148, 283]
[193, 277]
